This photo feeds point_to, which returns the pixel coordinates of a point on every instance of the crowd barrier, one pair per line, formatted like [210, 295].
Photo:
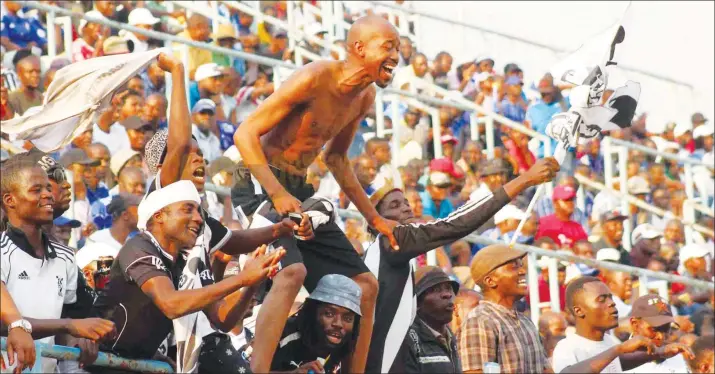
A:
[108, 360]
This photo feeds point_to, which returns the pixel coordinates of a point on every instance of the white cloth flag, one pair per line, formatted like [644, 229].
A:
[79, 92]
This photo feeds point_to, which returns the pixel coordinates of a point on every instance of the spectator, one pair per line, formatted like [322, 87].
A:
[124, 158]
[123, 217]
[414, 132]
[661, 199]
[251, 95]
[582, 248]
[20, 31]
[545, 205]
[703, 360]
[100, 153]
[115, 45]
[544, 286]
[155, 111]
[221, 171]
[114, 135]
[317, 31]
[704, 318]
[209, 82]
[492, 175]
[518, 146]
[105, 7]
[448, 143]
[198, 29]
[441, 66]
[276, 49]
[43, 271]
[91, 41]
[430, 346]
[143, 19]
[471, 156]
[225, 37]
[539, 114]
[203, 127]
[461, 77]
[154, 81]
[131, 180]
[506, 221]
[379, 150]
[646, 244]
[621, 285]
[494, 331]
[612, 234]
[486, 97]
[559, 226]
[435, 197]
[366, 171]
[683, 134]
[651, 318]
[484, 64]
[76, 160]
[513, 105]
[590, 349]
[28, 94]
[61, 189]
[552, 329]
[406, 50]
[61, 229]
[406, 77]
[639, 187]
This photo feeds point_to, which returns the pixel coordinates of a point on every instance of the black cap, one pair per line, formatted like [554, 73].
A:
[428, 276]
[121, 202]
[132, 123]
[491, 167]
[77, 156]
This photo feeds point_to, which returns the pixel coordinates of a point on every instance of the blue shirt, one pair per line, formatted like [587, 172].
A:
[226, 130]
[149, 87]
[99, 216]
[445, 207]
[23, 30]
[194, 94]
[513, 111]
[539, 115]
[495, 234]
[99, 193]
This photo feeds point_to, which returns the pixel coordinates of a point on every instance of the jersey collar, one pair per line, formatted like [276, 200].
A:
[19, 238]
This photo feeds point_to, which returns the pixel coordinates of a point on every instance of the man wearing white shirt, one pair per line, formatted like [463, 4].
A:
[143, 19]
[414, 77]
[379, 149]
[123, 210]
[203, 118]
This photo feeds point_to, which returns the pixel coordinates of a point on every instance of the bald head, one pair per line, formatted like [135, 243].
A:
[372, 46]
[197, 20]
[549, 318]
[132, 180]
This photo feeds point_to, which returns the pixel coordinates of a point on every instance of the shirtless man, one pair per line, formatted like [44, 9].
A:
[322, 103]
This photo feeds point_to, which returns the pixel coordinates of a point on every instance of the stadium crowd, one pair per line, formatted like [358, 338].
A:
[113, 245]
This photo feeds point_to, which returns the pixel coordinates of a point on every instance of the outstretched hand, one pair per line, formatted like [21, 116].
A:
[386, 227]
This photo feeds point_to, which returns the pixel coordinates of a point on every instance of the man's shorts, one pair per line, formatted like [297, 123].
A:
[330, 252]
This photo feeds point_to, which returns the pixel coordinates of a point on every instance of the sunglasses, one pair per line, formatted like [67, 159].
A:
[57, 174]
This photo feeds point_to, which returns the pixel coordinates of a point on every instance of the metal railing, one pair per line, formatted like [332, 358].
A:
[107, 360]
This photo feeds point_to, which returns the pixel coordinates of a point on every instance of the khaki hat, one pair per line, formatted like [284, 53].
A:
[225, 31]
[115, 45]
[492, 257]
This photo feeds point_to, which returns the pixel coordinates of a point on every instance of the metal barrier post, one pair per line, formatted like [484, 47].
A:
[436, 133]
[688, 211]
[51, 35]
[554, 294]
[533, 279]
[184, 50]
[215, 19]
[642, 285]
[607, 161]
[67, 34]
[277, 77]
[290, 15]
[474, 126]
[628, 224]
[380, 115]
[489, 134]
[339, 31]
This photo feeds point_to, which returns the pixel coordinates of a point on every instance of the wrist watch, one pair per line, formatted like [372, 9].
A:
[21, 323]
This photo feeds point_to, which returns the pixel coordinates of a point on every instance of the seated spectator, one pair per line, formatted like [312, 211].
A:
[90, 42]
[122, 159]
[612, 234]
[673, 233]
[20, 31]
[552, 329]
[646, 244]
[379, 149]
[435, 197]
[703, 359]
[545, 205]
[638, 186]
[582, 248]
[415, 77]
[251, 95]
[513, 105]
[518, 146]
[559, 226]
[40, 274]
[209, 79]
[430, 346]
[621, 285]
[441, 66]
[506, 221]
[28, 94]
[76, 161]
[154, 81]
[322, 335]
[365, 168]
[61, 229]
[661, 199]
[111, 133]
[539, 114]
[143, 19]
[471, 156]
[225, 37]
[203, 127]
[155, 111]
[406, 51]
[122, 211]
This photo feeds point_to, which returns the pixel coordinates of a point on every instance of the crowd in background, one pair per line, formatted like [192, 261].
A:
[110, 171]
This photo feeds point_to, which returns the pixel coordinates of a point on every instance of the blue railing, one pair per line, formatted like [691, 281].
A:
[60, 352]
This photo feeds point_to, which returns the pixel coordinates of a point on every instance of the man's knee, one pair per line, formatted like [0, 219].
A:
[291, 276]
[368, 284]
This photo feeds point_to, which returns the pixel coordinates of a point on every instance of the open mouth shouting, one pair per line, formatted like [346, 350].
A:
[334, 337]
[387, 69]
[522, 282]
[199, 175]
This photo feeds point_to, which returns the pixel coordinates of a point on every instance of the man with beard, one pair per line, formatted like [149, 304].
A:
[430, 346]
[392, 268]
[323, 334]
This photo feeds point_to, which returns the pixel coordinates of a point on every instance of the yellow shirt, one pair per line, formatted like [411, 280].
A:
[197, 56]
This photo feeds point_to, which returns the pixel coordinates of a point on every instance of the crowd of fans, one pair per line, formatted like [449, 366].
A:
[73, 239]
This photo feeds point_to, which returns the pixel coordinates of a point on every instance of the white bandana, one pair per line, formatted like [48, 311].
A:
[161, 198]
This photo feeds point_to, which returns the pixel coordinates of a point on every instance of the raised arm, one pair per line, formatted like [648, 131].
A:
[297, 90]
[178, 142]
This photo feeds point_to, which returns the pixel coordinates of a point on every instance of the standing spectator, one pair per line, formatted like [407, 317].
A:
[143, 19]
[539, 114]
[113, 134]
[379, 150]
[621, 285]
[651, 318]
[42, 275]
[61, 229]
[646, 244]
[123, 212]
[154, 81]
[406, 78]
[442, 65]
[435, 197]
[91, 41]
[198, 29]
[203, 118]
[545, 205]
[612, 237]
[552, 329]
[28, 95]
[430, 346]
[513, 105]
[406, 50]
[20, 31]
[155, 111]
[495, 331]
[209, 82]
[559, 226]
[703, 360]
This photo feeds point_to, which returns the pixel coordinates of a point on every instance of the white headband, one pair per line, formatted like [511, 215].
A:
[161, 198]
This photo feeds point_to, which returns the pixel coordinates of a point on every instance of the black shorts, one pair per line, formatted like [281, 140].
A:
[330, 252]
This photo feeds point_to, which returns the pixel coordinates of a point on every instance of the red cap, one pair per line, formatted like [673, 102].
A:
[448, 138]
[446, 166]
[564, 193]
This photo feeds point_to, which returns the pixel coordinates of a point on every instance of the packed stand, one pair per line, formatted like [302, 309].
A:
[125, 205]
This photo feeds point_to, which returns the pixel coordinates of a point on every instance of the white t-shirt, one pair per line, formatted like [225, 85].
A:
[94, 251]
[674, 364]
[116, 140]
[575, 348]
[105, 237]
[209, 144]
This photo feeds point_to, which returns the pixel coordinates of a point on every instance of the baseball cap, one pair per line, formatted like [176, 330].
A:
[563, 193]
[543, 263]
[638, 185]
[645, 231]
[704, 130]
[492, 257]
[694, 251]
[698, 118]
[483, 58]
[509, 211]
[338, 290]
[76, 156]
[510, 67]
[122, 202]
[204, 104]
[132, 123]
[64, 221]
[315, 28]
[447, 166]
[682, 128]
[84, 22]
[513, 80]
[225, 31]
[209, 70]
[439, 179]
[608, 254]
[115, 45]
[613, 214]
[652, 309]
[430, 276]
[116, 163]
[448, 138]
[491, 167]
[142, 16]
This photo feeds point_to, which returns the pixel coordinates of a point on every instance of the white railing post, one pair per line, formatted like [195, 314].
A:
[338, 11]
[51, 35]
[628, 224]
[436, 133]
[380, 115]
[533, 278]
[474, 126]
[277, 78]
[184, 50]
[489, 134]
[688, 210]
[607, 161]
[290, 14]
[581, 199]
[642, 285]
[215, 19]
[554, 285]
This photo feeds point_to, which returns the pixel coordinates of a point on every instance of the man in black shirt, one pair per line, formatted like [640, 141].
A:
[142, 296]
[395, 299]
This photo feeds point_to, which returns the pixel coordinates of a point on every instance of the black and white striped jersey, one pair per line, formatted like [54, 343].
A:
[396, 302]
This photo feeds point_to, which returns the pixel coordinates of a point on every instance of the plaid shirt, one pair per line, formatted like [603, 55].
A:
[493, 333]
